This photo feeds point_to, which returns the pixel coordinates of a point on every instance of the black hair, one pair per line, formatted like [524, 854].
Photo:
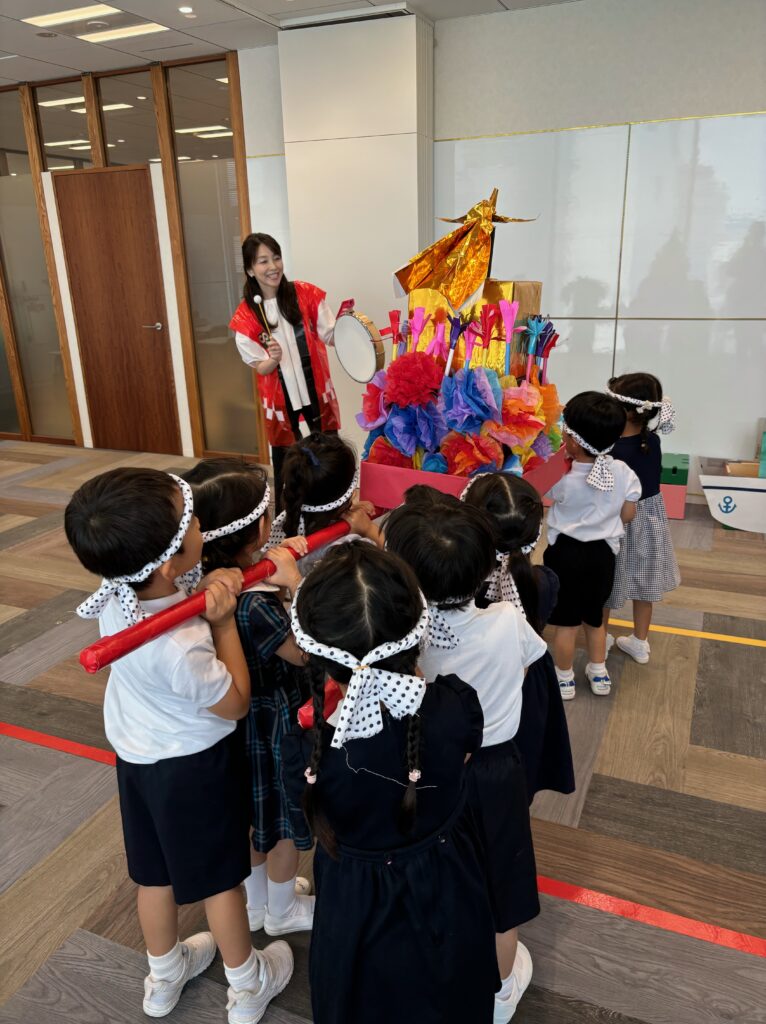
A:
[448, 544]
[379, 596]
[516, 511]
[317, 470]
[639, 385]
[597, 418]
[119, 521]
[226, 489]
[287, 297]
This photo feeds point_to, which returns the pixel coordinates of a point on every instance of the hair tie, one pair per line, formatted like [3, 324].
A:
[311, 456]
[310, 776]
[415, 775]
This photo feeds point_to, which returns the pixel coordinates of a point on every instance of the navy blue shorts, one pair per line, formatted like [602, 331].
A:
[586, 573]
[186, 820]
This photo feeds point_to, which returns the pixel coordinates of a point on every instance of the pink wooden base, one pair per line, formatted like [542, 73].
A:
[674, 496]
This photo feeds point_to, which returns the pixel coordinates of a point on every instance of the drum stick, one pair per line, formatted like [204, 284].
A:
[258, 300]
[110, 648]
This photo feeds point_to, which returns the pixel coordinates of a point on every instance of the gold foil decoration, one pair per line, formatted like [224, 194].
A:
[457, 265]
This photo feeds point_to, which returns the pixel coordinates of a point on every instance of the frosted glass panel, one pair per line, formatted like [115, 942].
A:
[695, 219]
[573, 182]
[9, 419]
[713, 370]
[582, 358]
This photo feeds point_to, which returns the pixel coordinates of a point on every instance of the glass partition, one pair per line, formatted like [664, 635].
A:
[9, 417]
[63, 126]
[127, 114]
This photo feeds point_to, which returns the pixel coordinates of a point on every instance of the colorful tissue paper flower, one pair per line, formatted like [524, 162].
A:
[467, 400]
[383, 453]
[527, 457]
[551, 405]
[521, 432]
[372, 437]
[412, 379]
[434, 463]
[555, 438]
[526, 397]
[374, 406]
[542, 446]
[416, 425]
[513, 465]
[467, 455]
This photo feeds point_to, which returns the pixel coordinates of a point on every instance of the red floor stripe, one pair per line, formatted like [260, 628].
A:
[42, 739]
[550, 886]
[650, 915]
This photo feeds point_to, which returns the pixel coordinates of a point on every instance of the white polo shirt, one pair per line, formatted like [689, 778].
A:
[157, 696]
[586, 513]
[496, 644]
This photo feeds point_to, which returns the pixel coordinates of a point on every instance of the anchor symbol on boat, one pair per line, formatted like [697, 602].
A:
[727, 505]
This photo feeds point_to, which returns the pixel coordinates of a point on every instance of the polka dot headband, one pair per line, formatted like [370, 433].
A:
[667, 421]
[120, 586]
[330, 505]
[240, 524]
[360, 715]
[601, 476]
[278, 535]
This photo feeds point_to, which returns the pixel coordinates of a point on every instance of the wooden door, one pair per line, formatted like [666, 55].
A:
[113, 261]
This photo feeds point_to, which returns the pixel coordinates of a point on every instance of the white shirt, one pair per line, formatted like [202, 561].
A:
[495, 645]
[157, 696]
[292, 371]
[586, 513]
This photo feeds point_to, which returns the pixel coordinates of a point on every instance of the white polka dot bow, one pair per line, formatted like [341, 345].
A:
[120, 586]
[501, 586]
[277, 535]
[369, 687]
[601, 476]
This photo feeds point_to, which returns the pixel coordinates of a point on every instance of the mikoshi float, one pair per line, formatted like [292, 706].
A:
[467, 389]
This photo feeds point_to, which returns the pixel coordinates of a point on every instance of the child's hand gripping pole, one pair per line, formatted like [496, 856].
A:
[111, 648]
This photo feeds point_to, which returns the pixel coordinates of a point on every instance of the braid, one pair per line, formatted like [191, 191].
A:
[408, 809]
[644, 434]
[312, 804]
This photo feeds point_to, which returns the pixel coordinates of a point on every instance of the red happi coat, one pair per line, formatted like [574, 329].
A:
[270, 389]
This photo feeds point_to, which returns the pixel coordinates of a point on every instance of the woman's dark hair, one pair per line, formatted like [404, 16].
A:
[119, 521]
[448, 544]
[597, 418]
[287, 298]
[224, 490]
[380, 602]
[516, 511]
[317, 470]
[639, 385]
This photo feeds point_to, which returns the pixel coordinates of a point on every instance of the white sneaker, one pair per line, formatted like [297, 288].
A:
[521, 975]
[567, 688]
[600, 684]
[609, 643]
[161, 996]
[299, 918]
[637, 649]
[257, 915]
[275, 968]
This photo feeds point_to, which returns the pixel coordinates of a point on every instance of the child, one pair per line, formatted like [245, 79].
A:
[450, 547]
[516, 512]
[403, 929]
[646, 564]
[232, 499]
[585, 525]
[320, 484]
[170, 712]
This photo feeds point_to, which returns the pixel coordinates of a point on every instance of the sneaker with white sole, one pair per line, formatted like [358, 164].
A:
[275, 968]
[638, 649]
[521, 975]
[161, 996]
[299, 918]
[567, 688]
[257, 915]
[600, 683]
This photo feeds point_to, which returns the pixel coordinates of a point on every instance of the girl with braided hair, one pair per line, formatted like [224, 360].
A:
[646, 567]
[403, 929]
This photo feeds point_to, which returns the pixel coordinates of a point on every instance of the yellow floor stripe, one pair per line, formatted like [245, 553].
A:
[748, 641]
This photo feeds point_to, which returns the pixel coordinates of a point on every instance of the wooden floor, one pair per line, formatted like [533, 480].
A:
[667, 826]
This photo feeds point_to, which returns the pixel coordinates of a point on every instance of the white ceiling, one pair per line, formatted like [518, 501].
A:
[217, 26]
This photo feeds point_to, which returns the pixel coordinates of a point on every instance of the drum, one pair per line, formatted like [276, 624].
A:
[358, 346]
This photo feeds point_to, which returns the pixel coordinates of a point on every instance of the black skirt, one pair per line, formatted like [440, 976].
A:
[405, 935]
[498, 794]
[543, 734]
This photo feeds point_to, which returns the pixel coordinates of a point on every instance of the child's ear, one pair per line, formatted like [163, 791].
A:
[169, 570]
[263, 529]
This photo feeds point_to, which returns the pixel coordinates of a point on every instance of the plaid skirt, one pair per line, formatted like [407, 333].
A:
[272, 714]
[646, 566]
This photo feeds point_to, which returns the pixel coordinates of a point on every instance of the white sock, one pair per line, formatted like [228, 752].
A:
[281, 897]
[245, 976]
[565, 675]
[168, 966]
[506, 987]
[598, 668]
[255, 885]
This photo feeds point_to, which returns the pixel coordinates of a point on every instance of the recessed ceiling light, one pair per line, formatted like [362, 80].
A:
[117, 106]
[204, 128]
[13, 174]
[215, 135]
[184, 158]
[186, 10]
[147, 29]
[80, 147]
[9, 56]
[121, 140]
[73, 14]
[61, 167]
[67, 142]
[224, 80]
[140, 97]
[61, 103]
[154, 160]
[214, 156]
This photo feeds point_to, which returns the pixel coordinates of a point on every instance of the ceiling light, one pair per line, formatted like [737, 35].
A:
[121, 140]
[67, 17]
[61, 167]
[110, 145]
[9, 56]
[184, 158]
[78, 110]
[80, 147]
[13, 174]
[118, 106]
[186, 10]
[204, 128]
[147, 29]
[215, 135]
[214, 156]
[61, 103]
[224, 80]
[67, 142]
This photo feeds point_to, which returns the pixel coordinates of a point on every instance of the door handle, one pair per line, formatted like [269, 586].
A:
[153, 327]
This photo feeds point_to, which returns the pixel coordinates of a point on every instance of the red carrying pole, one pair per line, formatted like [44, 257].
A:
[110, 648]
